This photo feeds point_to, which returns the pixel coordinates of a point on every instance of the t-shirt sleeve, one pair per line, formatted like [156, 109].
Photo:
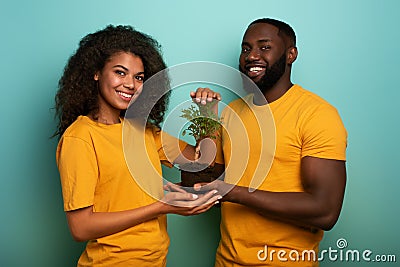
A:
[168, 147]
[324, 135]
[77, 164]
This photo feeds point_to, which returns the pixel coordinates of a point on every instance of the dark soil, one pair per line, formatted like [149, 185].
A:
[200, 173]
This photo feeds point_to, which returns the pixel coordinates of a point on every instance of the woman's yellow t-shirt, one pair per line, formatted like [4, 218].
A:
[94, 172]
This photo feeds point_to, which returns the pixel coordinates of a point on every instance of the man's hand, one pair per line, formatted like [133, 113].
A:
[205, 95]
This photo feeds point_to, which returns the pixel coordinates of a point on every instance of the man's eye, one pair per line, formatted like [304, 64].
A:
[245, 49]
[266, 47]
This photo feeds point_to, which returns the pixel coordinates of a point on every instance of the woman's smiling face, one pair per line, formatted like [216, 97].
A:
[120, 81]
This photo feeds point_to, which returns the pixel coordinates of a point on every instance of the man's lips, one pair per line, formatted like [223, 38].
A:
[255, 71]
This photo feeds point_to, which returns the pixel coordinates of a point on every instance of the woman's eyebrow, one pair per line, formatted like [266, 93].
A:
[121, 66]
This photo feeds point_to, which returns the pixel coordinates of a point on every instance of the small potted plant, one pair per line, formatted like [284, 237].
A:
[203, 123]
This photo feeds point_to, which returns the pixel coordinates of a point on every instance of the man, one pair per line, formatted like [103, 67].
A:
[280, 223]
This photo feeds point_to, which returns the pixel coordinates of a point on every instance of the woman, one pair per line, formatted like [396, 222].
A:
[104, 205]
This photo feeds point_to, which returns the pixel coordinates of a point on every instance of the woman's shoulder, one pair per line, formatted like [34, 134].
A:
[80, 128]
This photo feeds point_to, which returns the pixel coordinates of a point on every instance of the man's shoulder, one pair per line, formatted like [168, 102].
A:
[309, 94]
[310, 99]
[236, 106]
[241, 101]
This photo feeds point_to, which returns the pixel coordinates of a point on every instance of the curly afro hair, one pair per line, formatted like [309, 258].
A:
[78, 91]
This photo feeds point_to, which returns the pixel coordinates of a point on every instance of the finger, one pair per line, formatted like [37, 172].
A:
[205, 97]
[204, 208]
[198, 186]
[194, 210]
[217, 96]
[198, 94]
[168, 186]
[211, 95]
[174, 188]
[201, 187]
[205, 198]
[201, 200]
[214, 200]
[177, 198]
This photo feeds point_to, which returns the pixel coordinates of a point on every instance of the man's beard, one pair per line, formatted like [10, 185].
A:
[272, 74]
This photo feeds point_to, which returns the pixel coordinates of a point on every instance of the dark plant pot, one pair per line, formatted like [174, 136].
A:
[193, 173]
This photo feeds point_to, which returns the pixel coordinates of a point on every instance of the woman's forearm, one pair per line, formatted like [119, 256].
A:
[85, 224]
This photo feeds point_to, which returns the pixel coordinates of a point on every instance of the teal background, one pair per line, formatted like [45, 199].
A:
[348, 54]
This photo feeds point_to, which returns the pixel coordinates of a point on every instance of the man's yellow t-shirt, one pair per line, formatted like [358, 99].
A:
[94, 173]
[263, 147]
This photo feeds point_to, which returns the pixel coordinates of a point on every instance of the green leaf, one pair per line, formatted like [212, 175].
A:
[203, 122]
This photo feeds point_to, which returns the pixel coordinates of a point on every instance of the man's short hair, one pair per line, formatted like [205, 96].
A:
[283, 27]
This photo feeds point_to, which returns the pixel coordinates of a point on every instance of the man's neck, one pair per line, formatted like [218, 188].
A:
[277, 91]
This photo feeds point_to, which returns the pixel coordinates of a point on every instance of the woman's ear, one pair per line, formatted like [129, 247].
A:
[96, 76]
[292, 55]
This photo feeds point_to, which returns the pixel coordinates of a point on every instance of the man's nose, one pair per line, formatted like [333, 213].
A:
[253, 55]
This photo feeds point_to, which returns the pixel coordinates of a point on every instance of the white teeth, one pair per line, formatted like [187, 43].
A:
[125, 94]
[256, 69]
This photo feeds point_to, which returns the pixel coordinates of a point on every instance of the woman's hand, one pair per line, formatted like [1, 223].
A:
[179, 201]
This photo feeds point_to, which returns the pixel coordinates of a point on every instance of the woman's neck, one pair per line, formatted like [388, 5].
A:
[108, 119]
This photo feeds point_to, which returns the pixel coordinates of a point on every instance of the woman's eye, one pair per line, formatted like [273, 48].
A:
[139, 78]
[120, 72]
